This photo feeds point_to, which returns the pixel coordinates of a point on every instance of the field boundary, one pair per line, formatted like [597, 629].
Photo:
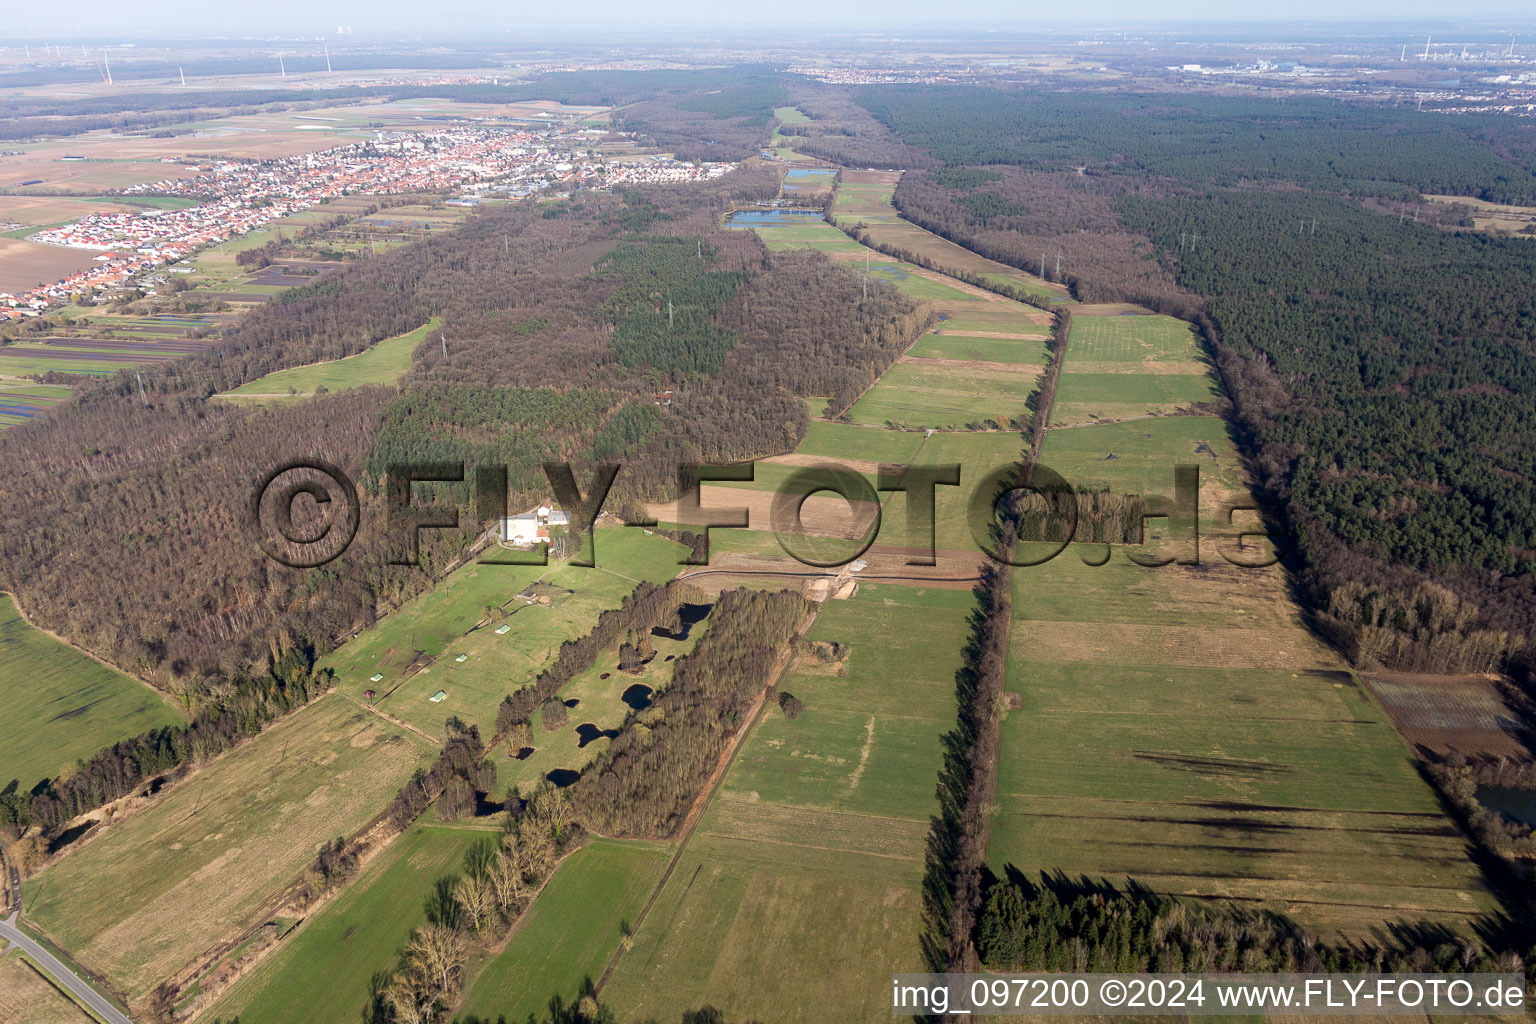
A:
[167, 698]
[711, 786]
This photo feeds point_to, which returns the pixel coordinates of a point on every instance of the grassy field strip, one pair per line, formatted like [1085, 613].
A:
[321, 971]
[1122, 367]
[61, 705]
[572, 930]
[1181, 727]
[384, 363]
[811, 852]
[415, 649]
[211, 853]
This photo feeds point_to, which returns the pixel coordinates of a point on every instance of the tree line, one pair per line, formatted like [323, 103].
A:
[649, 775]
[459, 776]
[229, 714]
[1076, 925]
[648, 606]
[474, 909]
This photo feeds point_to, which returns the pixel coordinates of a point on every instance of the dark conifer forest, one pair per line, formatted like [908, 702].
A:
[1381, 355]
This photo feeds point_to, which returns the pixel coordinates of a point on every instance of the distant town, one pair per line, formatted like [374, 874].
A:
[234, 198]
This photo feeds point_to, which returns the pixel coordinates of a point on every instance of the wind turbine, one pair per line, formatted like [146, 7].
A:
[108, 61]
[183, 76]
[327, 57]
[1426, 46]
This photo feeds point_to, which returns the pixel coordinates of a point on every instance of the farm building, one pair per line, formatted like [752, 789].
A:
[532, 527]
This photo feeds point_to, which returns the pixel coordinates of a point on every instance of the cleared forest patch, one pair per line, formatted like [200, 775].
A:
[60, 705]
[1441, 715]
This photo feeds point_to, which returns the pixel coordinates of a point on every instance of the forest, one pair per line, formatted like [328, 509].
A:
[1219, 140]
[1380, 361]
[158, 483]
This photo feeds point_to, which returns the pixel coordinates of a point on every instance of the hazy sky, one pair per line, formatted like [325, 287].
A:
[490, 19]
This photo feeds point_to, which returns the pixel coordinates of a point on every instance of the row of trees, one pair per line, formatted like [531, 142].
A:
[231, 713]
[645, 781]
[1075, 925]
[648, 606]
[459, 774]
[956, 858]
[498, 882]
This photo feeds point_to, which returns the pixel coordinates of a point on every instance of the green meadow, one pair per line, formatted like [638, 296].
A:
[384, 363]
[61, 706]
[321, 971]
[416, 648]
[812, 850]
[1128, 339]
[1026, 352]
[917, 395]
[844, 441]
[572, 929]
[909, 282]
[804, 234]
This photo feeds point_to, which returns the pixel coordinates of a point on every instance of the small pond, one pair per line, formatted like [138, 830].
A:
[771, 217]
[690, 615]
[1515, 804]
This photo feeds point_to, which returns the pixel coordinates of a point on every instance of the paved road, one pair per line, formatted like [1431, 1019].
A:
[60, 973]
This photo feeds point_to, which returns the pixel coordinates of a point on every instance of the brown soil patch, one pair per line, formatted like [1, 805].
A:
[871, 177]
[1472, 715]
[25, 265]
[822, 515]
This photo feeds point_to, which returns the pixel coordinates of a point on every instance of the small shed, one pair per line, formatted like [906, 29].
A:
[505, 627]
[438, 697]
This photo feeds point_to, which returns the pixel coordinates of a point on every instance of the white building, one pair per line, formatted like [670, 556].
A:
[530, 528]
